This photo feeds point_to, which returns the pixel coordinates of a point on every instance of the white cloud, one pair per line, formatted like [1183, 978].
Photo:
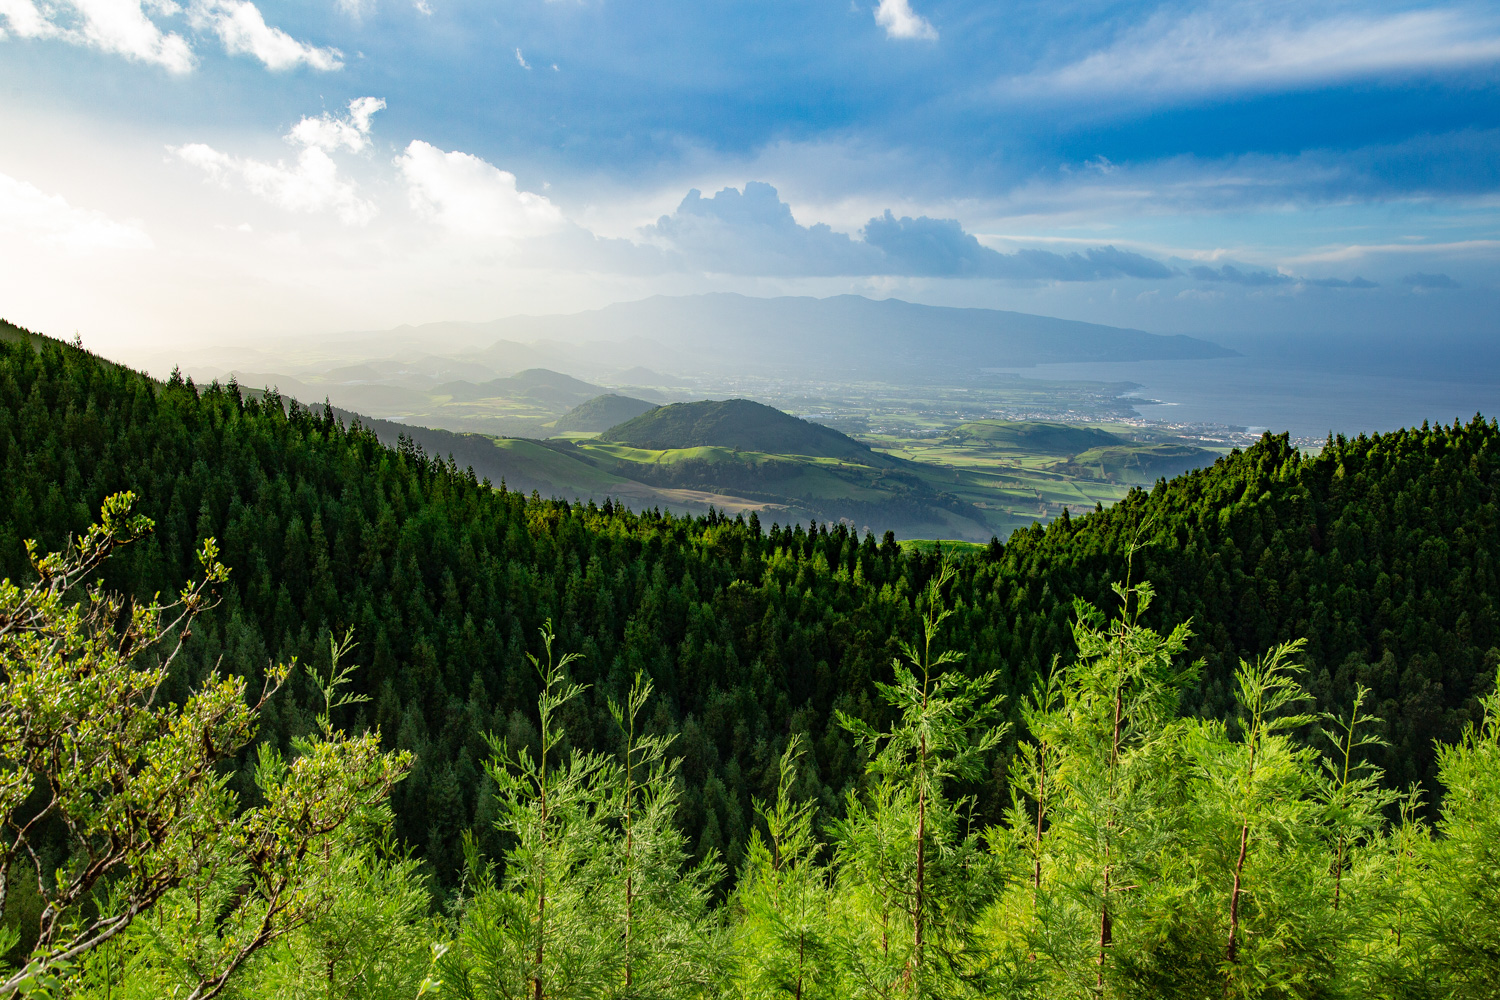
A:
[126, 28]
[244, 31]
[30, 213]
[24, 19]
[119, 27]
[474, 198]
[356, 8]
[522, 60]
[900, 21]
[328, 133]
[1226, 50]
[310, 185]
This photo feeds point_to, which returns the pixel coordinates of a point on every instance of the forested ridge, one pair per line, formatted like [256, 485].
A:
[725, 713]
[1379, 552]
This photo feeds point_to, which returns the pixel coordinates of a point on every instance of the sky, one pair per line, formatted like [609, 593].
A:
[210, 171]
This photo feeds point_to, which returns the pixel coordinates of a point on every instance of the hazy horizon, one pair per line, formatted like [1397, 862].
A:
[221, 170]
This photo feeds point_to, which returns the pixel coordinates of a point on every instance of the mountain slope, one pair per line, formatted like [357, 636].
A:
[735, 423]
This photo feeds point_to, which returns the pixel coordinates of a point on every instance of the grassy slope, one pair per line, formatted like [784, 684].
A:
[1038, 436]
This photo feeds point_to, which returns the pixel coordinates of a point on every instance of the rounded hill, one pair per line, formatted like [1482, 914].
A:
[1046, 437]
[734, 423]
[602, 413]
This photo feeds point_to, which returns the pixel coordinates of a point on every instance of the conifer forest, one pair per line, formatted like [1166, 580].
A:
[289, 713]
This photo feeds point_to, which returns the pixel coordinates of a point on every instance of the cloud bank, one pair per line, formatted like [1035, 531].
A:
[753, 232]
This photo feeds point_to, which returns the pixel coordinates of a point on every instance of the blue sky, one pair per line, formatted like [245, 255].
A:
[212, 168]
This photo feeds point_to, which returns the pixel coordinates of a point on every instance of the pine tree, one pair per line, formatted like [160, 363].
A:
[785, 932]
[943, 734]
[1459, 913]
[1114, 736]
[539, 931]
[670, 942]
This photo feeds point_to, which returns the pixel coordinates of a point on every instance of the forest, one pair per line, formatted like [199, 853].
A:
[1232, 736]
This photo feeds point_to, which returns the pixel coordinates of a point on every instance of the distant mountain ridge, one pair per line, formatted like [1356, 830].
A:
[728, 331]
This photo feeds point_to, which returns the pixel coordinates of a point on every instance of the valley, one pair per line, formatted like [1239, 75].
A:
[925, 450]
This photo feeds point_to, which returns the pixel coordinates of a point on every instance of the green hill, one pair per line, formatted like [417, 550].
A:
[735, 423]
[601, 413]
[1137, 463]
[1044, 437]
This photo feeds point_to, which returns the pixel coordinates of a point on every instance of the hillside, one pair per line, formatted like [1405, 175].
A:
[734, 423]
[1038, 436]
[1136, 463]
[601, 413]
[1380, 550]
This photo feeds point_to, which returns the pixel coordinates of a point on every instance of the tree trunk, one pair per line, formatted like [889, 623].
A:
[541, 902]
[629, 871]
[1232, 954]
[1041, 799]
[921, 870]
[1106, 923]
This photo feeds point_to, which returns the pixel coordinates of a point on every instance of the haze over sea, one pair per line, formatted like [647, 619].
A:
[1278, 395]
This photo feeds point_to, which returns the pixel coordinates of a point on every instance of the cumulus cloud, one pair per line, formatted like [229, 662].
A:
[119, 27]
[472, 197]
[351, 132]
[1258, 278]
[900, 21]
[1241, 48]
[312, 183]
[244, 31]
[1429, 281]
[941, 248]
[49, 219]
[754, 232]
[309, 185]
[1233, 275]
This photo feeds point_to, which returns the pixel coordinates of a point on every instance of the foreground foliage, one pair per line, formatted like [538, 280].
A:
[113, 804]
[1145, 855]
